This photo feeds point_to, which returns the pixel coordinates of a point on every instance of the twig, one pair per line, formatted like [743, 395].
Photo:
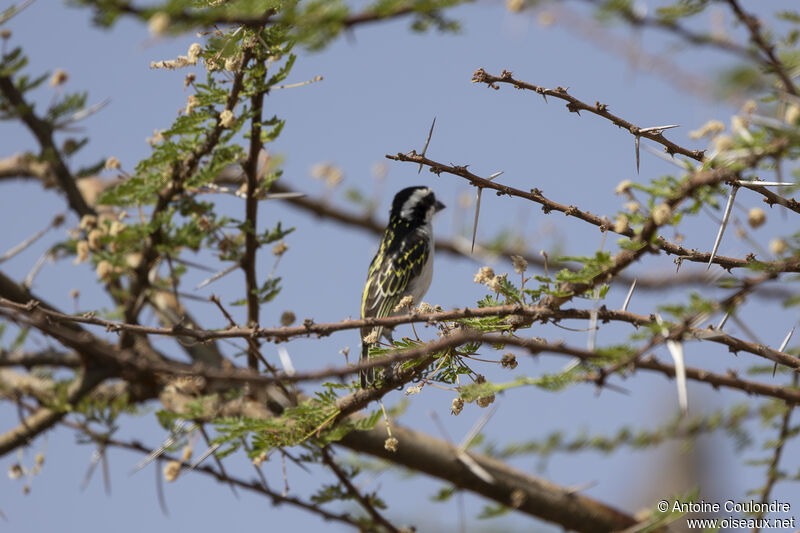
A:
[574, 105]
[43, 131]
[365, 503]
[754, 27]
[698, 179]
[57, 221]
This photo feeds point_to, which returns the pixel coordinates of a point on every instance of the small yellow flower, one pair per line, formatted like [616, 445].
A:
[59, 77]
[621, 223]
[226, 118]
[709, 129]
[661, 214]
[158, 23]
[234, 63]
[756, 217]
[15, 471]
[496, 283]
[280, 248]
[186, 454]
[485, 401]
[425, 308]
[456, 406]
[94, 238]
[519, 263]
[191, 103]
[88, 222]
[391, 444]
[405, 301]
[156, 138]
[116, 228]
[633, 207]
[372, 338]
[171, 470]
[623, 187]
[82, 252]
[778, 246]
[194, 53]
[287, 319]
[509, 360]
[484, 275]
[412, 390]
[105, 270]
[515, 6]
[133, 260]
[112, 163]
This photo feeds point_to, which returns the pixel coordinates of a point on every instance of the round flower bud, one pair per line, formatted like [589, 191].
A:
[756, 217]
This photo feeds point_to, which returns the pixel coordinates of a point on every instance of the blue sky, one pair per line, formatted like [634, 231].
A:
[382, 87]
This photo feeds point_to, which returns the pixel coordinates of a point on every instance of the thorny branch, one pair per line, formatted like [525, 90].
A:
[534, 313]
[322, 208]
[698, 179]
[768, 49]
[576, 106]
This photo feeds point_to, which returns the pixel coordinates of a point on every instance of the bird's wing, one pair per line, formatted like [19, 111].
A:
[389, 276]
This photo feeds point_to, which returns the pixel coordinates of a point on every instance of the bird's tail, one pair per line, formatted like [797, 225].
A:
[368, 374]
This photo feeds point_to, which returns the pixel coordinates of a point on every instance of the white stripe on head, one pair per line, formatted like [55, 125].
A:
[413, 201]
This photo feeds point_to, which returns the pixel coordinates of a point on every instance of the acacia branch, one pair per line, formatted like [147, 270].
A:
[322, 208]
[365, 503]
[574, 105]
[534, 313]
[731, 380]
[45, 417]
[753, 24]
[772, 198]
[49, 357]
[634, 18]
[604, 224]
[181, 171]
[419, 452]
[253, 485]
[43, 131]
[251, 220]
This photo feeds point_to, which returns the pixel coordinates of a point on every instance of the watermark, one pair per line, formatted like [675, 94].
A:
[728, 508]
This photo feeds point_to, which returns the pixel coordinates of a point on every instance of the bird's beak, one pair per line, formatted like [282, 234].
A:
[439, 206]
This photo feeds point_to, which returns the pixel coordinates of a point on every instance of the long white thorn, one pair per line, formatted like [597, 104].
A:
[659, 129]
[218, 275]
[477, 212]
[630, 293]
[766, 183]
[783, 346]
[725, 218]
[676, 351]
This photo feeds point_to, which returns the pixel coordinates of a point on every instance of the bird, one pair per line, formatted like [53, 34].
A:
[403, 265]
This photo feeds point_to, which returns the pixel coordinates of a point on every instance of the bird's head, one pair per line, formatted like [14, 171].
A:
[415, 205]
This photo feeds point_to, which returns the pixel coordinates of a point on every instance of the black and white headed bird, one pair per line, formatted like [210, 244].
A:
[403, 265]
